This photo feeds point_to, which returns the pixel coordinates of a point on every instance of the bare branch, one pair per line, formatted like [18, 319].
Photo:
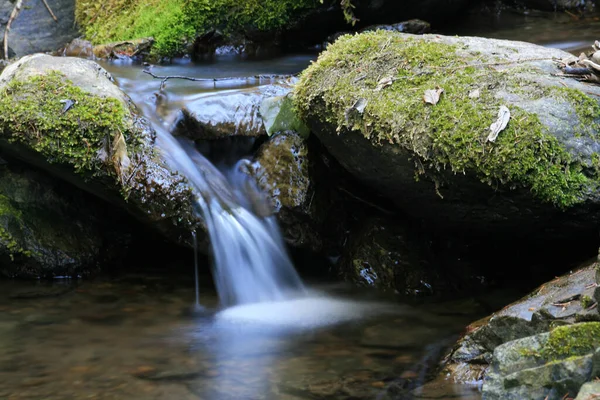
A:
[50, 11]
[13, 15]
[189, 78]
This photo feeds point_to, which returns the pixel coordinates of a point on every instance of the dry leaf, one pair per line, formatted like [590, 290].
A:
[500, 124]
[474, 94]
[119, 157]
[433, 96]
[383, 83]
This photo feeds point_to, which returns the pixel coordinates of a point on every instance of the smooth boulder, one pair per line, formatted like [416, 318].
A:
[66, 115]
[411, 117]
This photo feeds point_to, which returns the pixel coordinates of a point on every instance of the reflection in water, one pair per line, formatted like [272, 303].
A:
[134, 338]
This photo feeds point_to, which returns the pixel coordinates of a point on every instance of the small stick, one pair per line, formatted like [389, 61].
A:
[12, 17]
[50, 11]
[189, 78]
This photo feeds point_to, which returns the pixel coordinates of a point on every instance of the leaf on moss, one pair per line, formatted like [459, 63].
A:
[383, 83]
[432, 96]
[119, 158]
[500, 124]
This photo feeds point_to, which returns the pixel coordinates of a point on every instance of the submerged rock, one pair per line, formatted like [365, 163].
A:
[34, 30]
[387, 255]
[49, 229]
[365, 99]
[66, 116]
[281, 169]
[228, 113]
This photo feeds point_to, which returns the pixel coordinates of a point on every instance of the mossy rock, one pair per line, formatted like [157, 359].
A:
[66, 115]
[364, 99]
[49, 229]
[281, 168]
[549, 365]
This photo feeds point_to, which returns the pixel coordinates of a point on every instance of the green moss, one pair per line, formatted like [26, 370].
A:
[450, 135]
[572, 341]
[586, 301]
[32, 113]
[13, 247]
[172, 23]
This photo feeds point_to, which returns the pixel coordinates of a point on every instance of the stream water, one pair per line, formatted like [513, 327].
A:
[136, 336]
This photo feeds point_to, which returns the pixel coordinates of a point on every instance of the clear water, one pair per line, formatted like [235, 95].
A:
[136, 337]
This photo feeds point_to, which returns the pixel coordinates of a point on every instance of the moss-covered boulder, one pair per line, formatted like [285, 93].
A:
[48, 228]
[281, 168]
[67, 116]
[550, 366]
[565, 300]
[365, 100]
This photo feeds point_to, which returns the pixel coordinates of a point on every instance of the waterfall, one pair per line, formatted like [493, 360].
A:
[250, 261]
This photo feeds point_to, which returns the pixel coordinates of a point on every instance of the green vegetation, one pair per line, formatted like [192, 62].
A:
[572, 341]
[451, 134]
[173, 23]
[12, 246]
[34, 113]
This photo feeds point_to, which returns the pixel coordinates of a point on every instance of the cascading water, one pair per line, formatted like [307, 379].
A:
[250, 260]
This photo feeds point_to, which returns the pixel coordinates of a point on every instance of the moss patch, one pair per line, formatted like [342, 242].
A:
[452, 134]
[35, 113]
[12, 245]
[572, 340]
[174, 22]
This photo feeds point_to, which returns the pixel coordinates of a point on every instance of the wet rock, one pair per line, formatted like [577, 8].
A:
[281, 169]
[230, 113]
[363, 99]
[49, 229]
[34, 30]
[549, 365]
[415, 26]
[78, 48]
[589, 391]
[553, 5]
[278, 115]
[388, 256]
[565, 300]
[65, 115]
[137, 48]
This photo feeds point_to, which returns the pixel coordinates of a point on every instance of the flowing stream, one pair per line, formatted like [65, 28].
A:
[135, 336]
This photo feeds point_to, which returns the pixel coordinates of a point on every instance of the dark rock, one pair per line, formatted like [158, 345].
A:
[415, 26]
[384, 134]
[35, 31]
[100, 144]
[281, 169]
[553, 5]
[78, 48]
[386, 254]
[526, 369]
[47, 229]
[233, 113]
[127, 49]
[564, 300]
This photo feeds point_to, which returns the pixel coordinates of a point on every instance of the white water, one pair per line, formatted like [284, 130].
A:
[251, 264]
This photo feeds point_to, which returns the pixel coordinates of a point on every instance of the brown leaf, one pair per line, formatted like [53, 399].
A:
[383, 83]
[433, 96]
[119, 157]
[500, 124]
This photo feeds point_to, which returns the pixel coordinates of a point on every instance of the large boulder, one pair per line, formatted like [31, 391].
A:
[365, 100]
[67, 116]
[34, 30]
[47, 228]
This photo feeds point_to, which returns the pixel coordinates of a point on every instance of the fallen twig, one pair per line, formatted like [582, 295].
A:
[50, 11]
[189, 78]
[15, 11]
